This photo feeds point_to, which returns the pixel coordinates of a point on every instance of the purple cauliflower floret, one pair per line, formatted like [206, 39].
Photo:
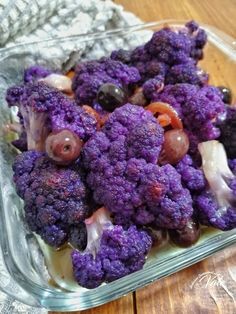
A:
[186, 73]
[90, 75]
[111, 251]
[192, 177]
[170, 53]
[153, 86]
[123, 173]
[78, 236]
[121, 55]
[209, 213]
[175, 95]
[35, 72]
[192, 26]
[14, 95]
[173, 46]
[45, 109]
[55, 197]
[22, 167]
[198, 108]
[215, 206]
[151, 69]
[169, 46]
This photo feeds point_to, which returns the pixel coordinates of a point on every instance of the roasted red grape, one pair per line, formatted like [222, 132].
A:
[176, 145]
[63, 147]
[186, 236]
[159, 236]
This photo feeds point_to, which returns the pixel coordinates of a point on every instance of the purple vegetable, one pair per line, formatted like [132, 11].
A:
[35, 72]
[45, 109]
[198, 108]
[111, 251]
[171, 54]
[186, 73]
[91, 75]
[123, 173]
[216, 205]
[192, 177]
[56, 198]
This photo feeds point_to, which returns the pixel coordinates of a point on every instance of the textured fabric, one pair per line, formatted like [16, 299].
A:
[24, 16]
[27, 21]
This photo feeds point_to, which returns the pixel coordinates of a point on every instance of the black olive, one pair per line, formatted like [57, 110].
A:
[226, 94]
[110, 96]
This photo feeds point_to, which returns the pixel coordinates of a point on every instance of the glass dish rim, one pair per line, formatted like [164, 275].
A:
[49, 298]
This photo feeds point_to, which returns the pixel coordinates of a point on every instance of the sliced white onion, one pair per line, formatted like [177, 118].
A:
[217, 172]
[95, 226]
[59, 81]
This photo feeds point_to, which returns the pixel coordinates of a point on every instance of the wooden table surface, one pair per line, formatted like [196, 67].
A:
[214, 292]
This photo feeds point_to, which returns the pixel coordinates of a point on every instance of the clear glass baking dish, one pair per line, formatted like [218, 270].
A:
[22, 271]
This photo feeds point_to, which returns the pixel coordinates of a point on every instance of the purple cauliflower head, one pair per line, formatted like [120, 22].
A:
[123, 173]
[170, 53]
[192, 176]
[186, 73]
[215, 206]
[111, 251]
[45, 109]
[170, 46]
[198, 108]
[56, 198]
[91, 75]
[153, 86]
[36, 72]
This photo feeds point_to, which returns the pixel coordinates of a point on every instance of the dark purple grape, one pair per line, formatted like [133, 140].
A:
[78, 236]
[63, 147]
[186, 236]
[226, 93]
[228, 132]
[159, 236]
[176, 145]
[110, 96]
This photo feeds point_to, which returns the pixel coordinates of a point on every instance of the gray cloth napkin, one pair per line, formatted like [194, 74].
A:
[32, 20]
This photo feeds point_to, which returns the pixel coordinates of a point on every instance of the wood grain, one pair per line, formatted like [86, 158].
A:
[174, 293]
[218, 13]
[183, 292]
[123, 305]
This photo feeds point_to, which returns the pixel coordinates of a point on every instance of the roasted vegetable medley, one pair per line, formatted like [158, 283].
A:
[125, 153]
